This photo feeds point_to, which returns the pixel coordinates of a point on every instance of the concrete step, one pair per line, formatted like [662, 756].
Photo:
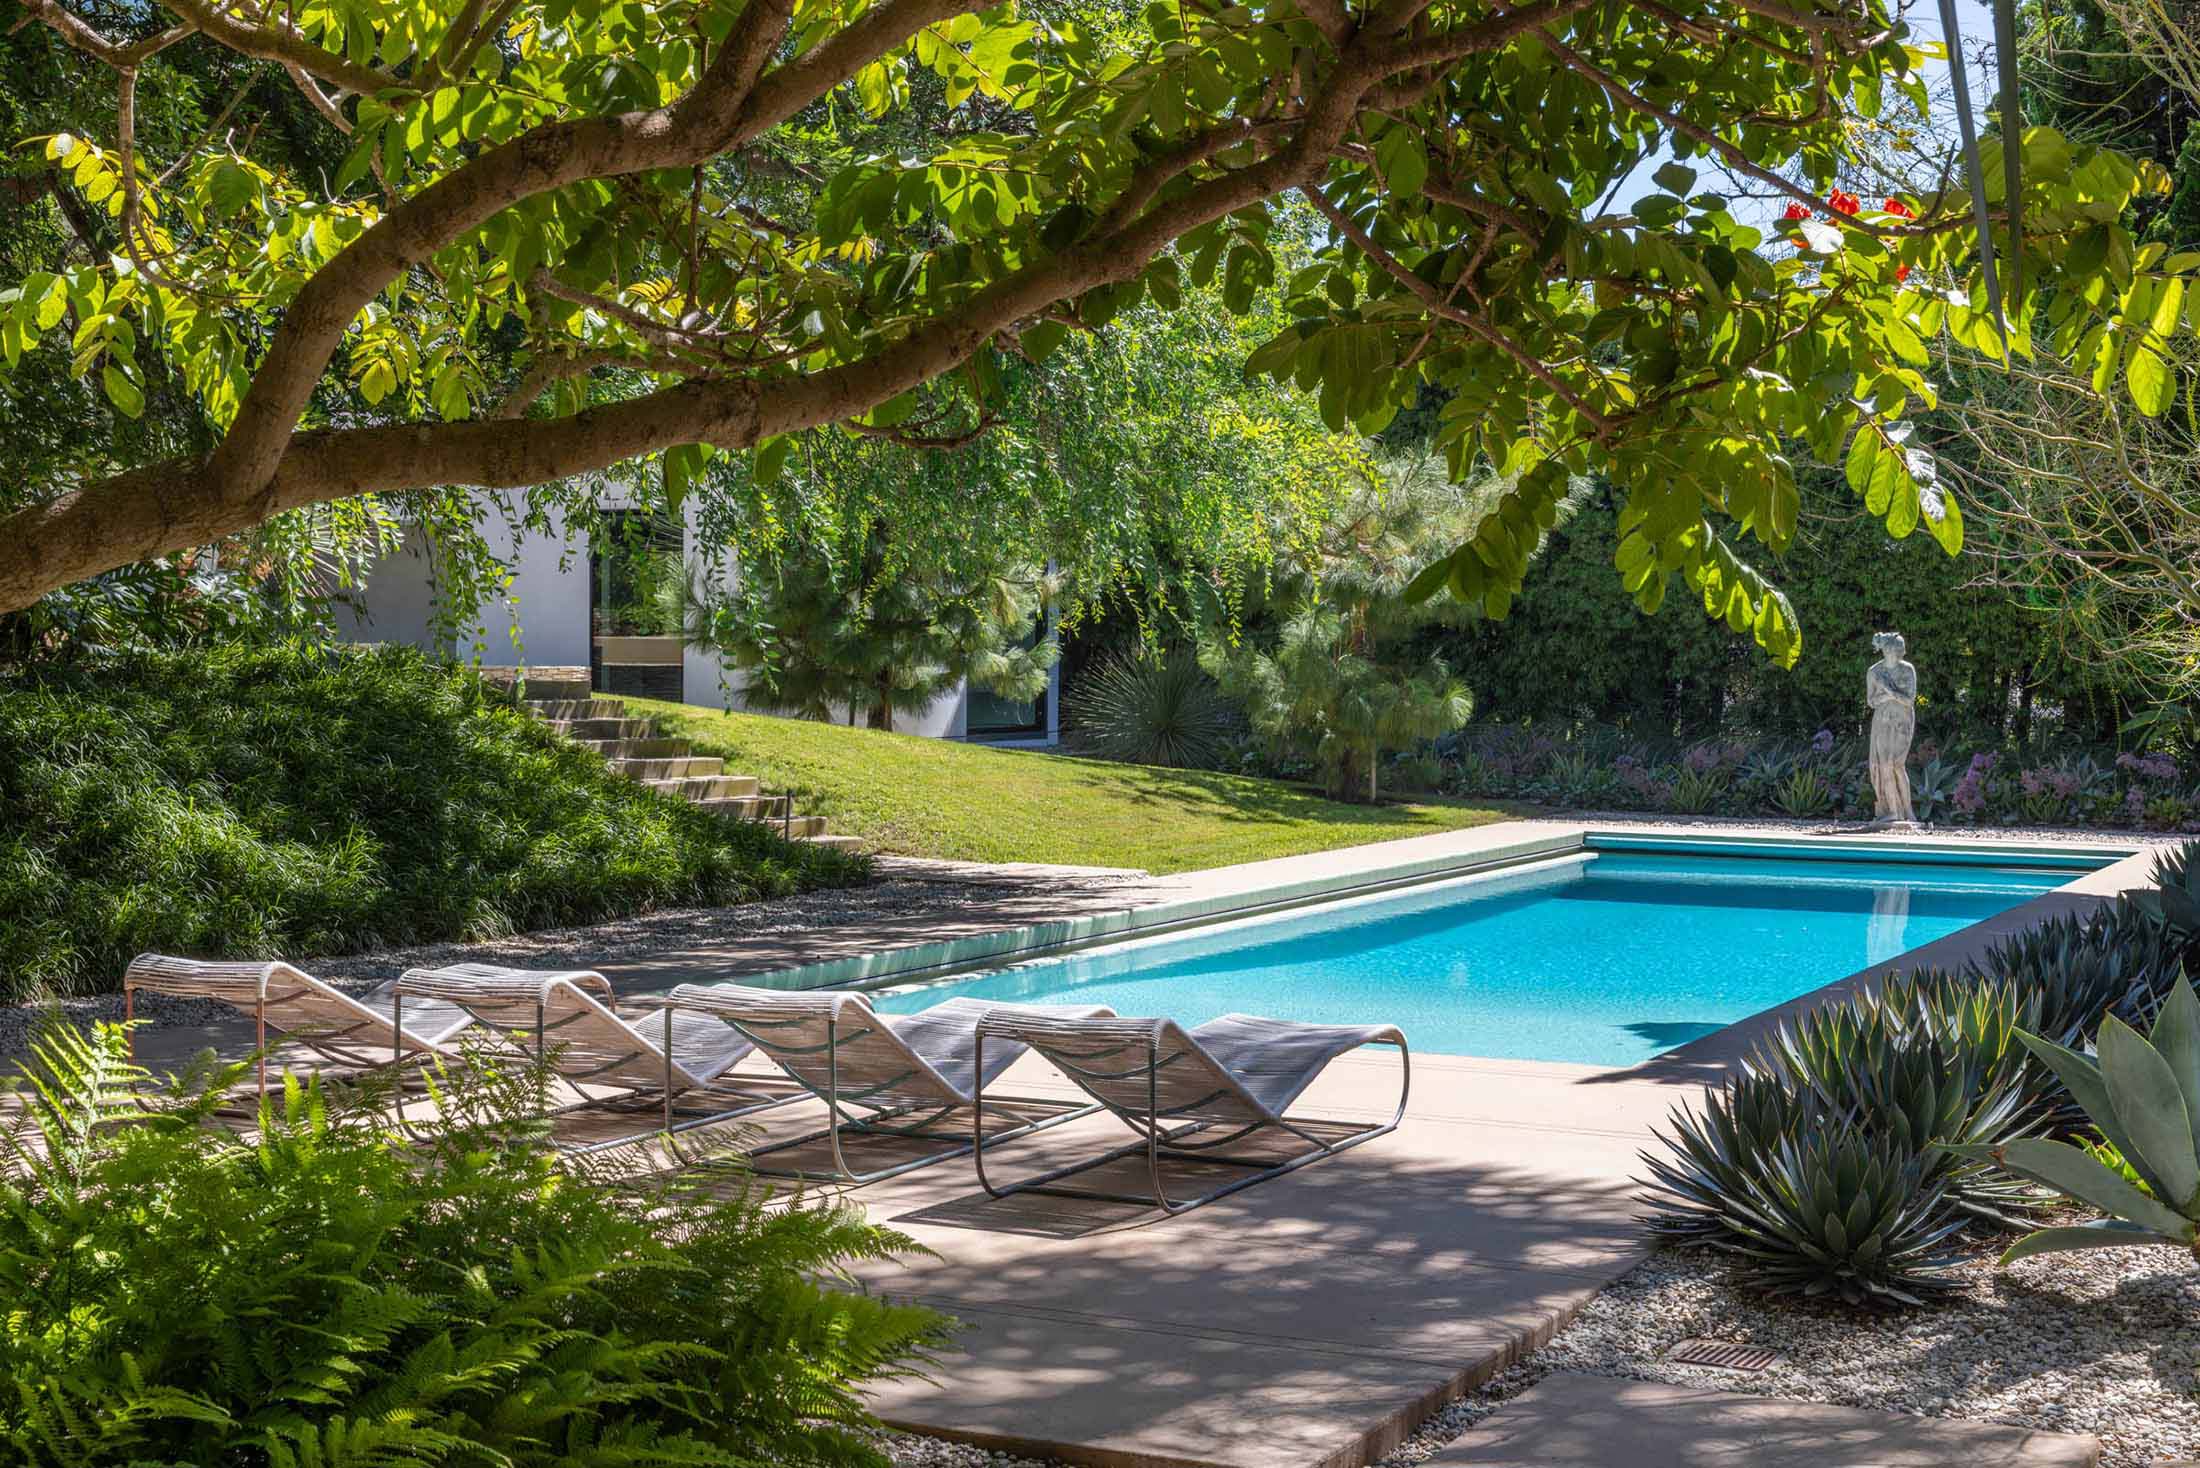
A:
[705, 786]
[804, 828]
[678, 767]
[626, 749]
[613, 728]
[838, 843]
[555, 710]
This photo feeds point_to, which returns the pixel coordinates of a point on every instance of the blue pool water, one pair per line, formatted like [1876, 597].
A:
[1603, 959]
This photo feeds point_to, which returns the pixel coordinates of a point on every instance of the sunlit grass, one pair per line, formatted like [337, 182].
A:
[936, 797]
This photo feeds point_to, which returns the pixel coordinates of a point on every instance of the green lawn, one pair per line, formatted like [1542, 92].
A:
[934, 797]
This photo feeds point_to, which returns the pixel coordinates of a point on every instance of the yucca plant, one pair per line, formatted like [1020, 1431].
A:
[1151, 711]
[2174, 899]
[2143, 1093]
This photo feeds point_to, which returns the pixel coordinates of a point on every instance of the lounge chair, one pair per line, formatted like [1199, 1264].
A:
[1239, 1072]
[357, 1034]
[886, 1067]
[564, 1017]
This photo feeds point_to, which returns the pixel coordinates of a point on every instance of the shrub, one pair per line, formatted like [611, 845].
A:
[260, 801]
[1152, 711]
[324, 1294]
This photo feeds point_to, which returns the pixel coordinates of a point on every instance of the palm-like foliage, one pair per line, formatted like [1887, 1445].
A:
[323, 1295]
[1343, 677]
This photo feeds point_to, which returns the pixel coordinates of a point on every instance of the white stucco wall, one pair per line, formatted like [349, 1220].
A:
[543, 620]
[540, 621]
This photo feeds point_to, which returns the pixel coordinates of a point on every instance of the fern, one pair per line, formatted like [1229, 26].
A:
[325, 1294]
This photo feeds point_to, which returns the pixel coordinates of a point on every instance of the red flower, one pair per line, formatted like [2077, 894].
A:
[1901, 273]
[1899, 209]
[1842, 203]
[1796, 211]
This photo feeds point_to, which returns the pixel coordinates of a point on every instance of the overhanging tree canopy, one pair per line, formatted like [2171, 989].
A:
[608, 219]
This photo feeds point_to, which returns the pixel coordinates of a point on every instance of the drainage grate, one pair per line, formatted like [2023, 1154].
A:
[1725, 1355]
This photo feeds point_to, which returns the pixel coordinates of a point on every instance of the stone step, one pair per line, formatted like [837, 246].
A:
[626, 749]
[556, 710]
[678, 767]
[771, 808]
[838, 843]
[558, 683]
[705, 786]
[614, 728]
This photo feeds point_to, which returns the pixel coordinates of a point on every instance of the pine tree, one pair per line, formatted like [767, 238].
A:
[1349, 670]
[817, 634]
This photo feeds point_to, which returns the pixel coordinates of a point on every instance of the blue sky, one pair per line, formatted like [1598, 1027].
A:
[1974, 18]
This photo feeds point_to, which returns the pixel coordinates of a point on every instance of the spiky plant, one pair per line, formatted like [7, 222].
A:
[2143, 1093]
[2174, 899]
[1151, 710]
[1807, 1200]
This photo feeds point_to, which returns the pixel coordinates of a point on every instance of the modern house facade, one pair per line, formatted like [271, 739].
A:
[572, 603]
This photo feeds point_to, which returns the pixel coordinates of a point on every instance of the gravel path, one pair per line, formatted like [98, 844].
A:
[2104, 1342]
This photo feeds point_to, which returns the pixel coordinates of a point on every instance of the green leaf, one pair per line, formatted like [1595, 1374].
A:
[771, 458]
[1404, 163]
[2106, 1233]
[1429, 581]
[1042, 338]
[2078, 1174]
[2151, 379]
[1675, 178]
[122, 392]
[2151, 1106]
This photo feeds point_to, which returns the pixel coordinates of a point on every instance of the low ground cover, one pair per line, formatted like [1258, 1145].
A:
[1824, 776]
[249, 802]
[935, 797]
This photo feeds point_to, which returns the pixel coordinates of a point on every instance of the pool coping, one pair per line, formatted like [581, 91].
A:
[1257, 889]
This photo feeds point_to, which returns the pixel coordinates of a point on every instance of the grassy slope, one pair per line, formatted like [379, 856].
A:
[934, 797]
[251, 803]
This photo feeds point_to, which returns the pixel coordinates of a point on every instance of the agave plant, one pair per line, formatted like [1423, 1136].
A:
[1803, 794]
[2174, 900]
[1933, 787]
[2143, 1093]
[1810, 1201]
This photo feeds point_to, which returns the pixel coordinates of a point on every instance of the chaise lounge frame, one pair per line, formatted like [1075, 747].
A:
[1166, 1085]
[593, 1045]
[303, 1009]
[853, 1059]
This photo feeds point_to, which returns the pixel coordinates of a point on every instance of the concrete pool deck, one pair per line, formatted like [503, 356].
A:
[1317, 1318]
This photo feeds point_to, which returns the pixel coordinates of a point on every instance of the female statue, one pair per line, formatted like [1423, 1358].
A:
[1890, 690]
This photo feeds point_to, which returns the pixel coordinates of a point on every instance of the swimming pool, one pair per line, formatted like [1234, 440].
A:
[1603, 958]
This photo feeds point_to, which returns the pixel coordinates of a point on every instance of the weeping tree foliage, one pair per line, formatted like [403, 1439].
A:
[2093, 496]
[638, 229]
[1342, 674]
[815, 634]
